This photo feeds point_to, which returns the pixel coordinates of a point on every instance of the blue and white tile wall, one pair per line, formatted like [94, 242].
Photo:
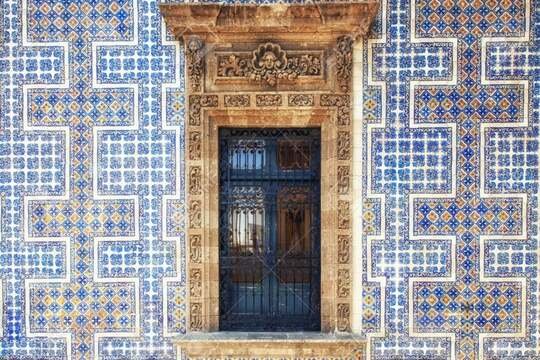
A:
[91, 172]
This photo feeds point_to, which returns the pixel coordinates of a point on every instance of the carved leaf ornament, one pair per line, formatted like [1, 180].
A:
[269, 63]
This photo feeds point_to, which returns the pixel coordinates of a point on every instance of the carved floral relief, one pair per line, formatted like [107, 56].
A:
[269, 63]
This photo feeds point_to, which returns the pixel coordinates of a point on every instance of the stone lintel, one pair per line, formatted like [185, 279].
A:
[322, 19]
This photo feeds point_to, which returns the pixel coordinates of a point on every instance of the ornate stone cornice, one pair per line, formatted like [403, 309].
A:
[352, 18]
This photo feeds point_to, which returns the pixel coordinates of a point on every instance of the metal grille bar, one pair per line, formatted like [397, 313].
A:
[269, 229]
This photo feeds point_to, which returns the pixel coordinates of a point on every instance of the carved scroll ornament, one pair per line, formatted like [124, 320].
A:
[195, 62]
[343, 317]
[344, 62]
[269, 63]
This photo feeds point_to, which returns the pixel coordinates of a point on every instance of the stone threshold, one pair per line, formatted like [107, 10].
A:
[270, 345]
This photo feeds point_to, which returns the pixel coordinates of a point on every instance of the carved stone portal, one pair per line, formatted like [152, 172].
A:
[281, 65]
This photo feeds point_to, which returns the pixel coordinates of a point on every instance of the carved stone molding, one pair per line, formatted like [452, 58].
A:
[195, 249]
[195, 282]
[343, 316]
[344, 180]
[269, 66]
[342, 103]
[236, 100]
[289, 346]
[195, 180]
[194, 142]
[270, 63]
[196, 316]
[321, 18]
[196, 103]
[344, 249]
[344, 62]
[344, 215]
[195, 217]
[344, 145]
[268, 100]
[344, 283]
[195, 62]
[301, 100]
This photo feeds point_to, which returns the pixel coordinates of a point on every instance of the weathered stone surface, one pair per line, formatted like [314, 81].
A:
[352, 18]
[286, 65]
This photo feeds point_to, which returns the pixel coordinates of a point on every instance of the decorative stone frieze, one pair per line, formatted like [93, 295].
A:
[236, 100]
[268, 100]
[269, 63]
[287, 346]
[301, 100]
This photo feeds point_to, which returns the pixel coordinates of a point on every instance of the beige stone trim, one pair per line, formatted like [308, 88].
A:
[320, 118]
[353, 18]
[203, 190]
[283, 349]
[310, 86]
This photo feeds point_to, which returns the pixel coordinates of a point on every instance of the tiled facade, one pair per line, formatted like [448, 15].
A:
[92, 204]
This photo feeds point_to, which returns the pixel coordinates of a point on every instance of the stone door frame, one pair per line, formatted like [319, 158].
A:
[287, 65]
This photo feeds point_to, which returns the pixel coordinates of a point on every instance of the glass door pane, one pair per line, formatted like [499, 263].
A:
[270, 229]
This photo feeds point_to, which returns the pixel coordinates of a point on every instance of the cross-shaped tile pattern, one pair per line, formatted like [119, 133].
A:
[32, 164]
[511, 157]
[404, 159]
[81, 307]
[91, 180]
[465, 306]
